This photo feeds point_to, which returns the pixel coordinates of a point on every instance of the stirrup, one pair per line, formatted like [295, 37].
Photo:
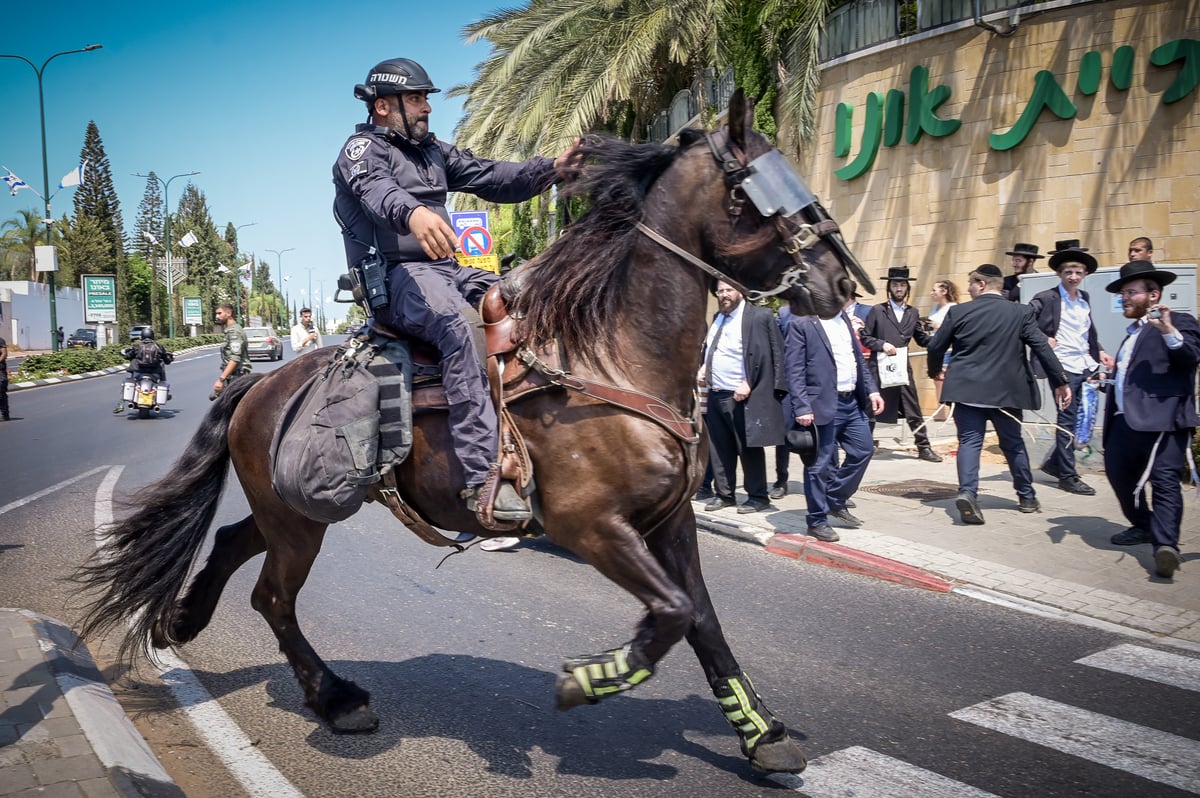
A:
[481, 499]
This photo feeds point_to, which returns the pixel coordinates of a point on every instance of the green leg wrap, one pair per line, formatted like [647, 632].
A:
[602, 675]
[745, 710]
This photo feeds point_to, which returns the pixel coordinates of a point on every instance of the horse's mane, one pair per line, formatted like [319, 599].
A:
[575, 290]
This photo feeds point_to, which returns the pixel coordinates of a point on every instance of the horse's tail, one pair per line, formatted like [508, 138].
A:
[142, 565]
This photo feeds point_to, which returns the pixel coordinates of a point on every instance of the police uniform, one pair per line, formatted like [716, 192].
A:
[380, 178]
[235, 348]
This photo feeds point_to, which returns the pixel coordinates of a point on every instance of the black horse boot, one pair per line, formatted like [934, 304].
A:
[506, 506]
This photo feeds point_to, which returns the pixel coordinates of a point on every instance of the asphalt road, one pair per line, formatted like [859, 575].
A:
[461, 659]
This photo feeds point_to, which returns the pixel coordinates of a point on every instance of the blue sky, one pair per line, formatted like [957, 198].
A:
[256, 95]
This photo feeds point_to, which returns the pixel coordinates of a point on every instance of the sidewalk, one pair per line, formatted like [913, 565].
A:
[62, 732]
[1059, 559]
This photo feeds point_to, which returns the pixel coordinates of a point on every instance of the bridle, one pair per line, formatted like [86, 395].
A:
[799, 229]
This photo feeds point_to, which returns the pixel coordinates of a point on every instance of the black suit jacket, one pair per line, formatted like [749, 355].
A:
[1047, 307]
[989, 336]
[762, 358]
[812, 374]
[882, 328]
[1160, 383]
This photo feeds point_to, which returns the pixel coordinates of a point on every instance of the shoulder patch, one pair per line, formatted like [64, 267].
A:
[356, 147]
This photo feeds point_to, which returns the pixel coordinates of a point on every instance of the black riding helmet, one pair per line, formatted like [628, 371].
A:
[394, 76]
[147, 334]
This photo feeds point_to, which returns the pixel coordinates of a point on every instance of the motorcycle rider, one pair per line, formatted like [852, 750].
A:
[391, 179]
[147, 356]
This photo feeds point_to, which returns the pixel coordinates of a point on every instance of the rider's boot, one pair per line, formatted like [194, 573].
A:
[507, 506]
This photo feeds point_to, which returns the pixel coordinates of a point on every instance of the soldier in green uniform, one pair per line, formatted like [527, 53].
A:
[235, 359]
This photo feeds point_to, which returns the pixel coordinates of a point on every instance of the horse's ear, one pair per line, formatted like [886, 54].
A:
[741, 117]
[737, 118]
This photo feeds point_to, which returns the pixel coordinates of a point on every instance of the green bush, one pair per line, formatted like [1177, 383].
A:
[81, 361]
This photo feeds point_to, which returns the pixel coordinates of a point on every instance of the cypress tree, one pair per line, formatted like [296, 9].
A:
[150, 222]
[96, 198]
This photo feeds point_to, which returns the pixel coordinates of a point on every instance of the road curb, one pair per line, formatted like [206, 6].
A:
[802, 547]
[17, 386]
[133, 769]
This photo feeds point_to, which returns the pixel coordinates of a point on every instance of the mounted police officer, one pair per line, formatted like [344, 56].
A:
[391, 180]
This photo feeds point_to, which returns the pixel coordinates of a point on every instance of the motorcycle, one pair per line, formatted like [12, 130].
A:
[145, 393]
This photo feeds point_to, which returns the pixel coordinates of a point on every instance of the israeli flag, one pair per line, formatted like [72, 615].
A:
[73, 177]
[14, 183]
[188, 239]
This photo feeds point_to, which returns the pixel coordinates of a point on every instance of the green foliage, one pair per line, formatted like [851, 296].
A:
[18, 237]
[82, 361]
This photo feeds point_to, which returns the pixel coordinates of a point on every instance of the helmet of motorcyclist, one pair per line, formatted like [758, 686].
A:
[147, 334]
[394, 76]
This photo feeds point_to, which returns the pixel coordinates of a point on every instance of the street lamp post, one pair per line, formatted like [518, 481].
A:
[46, 174]
[279, 286]
[237, 273]
[167, 235]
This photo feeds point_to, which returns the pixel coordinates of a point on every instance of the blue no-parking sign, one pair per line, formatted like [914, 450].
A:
[475, 241]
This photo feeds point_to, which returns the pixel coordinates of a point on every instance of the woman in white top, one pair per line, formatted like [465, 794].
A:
[944, 294]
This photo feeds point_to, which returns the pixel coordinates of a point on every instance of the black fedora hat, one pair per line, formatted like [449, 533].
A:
[1140, 270]
[1070, 243]
[1025, 251]
[804, 441]
[898, 273]
[1072, 254]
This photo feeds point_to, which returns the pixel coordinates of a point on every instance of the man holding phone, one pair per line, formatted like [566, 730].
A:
[1150, 416]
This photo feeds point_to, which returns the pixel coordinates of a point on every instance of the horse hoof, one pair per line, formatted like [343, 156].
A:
[569, 693]
[781, 756]
[360, 720]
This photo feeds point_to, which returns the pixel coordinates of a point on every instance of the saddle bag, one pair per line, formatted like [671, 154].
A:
[325, 451]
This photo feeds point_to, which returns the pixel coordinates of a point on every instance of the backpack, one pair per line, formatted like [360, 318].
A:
[147, 356]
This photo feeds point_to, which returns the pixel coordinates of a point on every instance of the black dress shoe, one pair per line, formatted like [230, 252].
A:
[823, 532]
[751, 506]
[717, 503]
[1076, 485]
[968, 508]
[778, 491]
[1028, 505]
[703, 495]
[1049, 469]
[1134, 536]
[1166, 561]
[927, 454]
[846, 518]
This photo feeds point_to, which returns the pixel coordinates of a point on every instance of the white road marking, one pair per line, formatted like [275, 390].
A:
[249, 766]
[1149, 753]
[1148, 663]
[52, 489]
[858, 772]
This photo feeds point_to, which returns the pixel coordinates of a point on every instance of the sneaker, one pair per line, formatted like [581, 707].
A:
[1028, 505]
[1134, 536]
[1076, 485]
[1166, 561]
[717, 503]
[703, 495]
[850, 503]
[823, 532]
[846, 518]
[498, 544]
[968, 508]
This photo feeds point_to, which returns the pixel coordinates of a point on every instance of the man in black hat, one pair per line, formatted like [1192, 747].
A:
[1064, 314]
[832, 391]
[991, 381]
[1023, 256]
[1150, 416]
[891, 325]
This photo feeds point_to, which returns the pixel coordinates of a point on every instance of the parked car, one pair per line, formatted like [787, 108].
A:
[135, 332]
[83, 337]
[263, 342]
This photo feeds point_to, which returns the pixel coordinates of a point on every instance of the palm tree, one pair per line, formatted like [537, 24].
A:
[562, 67]
[17, 243]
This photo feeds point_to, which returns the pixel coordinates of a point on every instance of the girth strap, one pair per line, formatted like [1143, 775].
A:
[412, 519]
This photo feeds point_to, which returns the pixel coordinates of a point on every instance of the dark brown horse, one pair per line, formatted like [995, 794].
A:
[625, 293]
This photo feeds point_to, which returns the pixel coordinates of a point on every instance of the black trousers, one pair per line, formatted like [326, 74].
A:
[726, 419]
[1127, 453]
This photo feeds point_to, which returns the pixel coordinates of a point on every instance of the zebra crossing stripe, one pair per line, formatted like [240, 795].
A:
[1151, 754]
[864, 773]
[1148, 663]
